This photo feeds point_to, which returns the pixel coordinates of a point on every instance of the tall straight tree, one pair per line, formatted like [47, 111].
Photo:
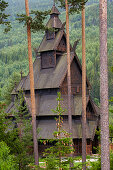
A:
[68, 73]
[83, 91]
[104, 114]
[68, 68]
[32, 87]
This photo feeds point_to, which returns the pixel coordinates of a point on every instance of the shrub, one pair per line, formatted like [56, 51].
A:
[6, 159]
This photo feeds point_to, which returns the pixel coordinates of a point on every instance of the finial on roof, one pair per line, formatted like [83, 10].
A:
[15, 84]
[53, 2]
[54, 10]
[21, 74]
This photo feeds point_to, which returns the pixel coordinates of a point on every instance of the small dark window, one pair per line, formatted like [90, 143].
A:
[88, 142]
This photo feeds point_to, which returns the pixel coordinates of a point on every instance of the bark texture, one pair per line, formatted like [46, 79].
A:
[68, 69]
[104, 115]
[68, 75]
[32, 92]
[83, 92]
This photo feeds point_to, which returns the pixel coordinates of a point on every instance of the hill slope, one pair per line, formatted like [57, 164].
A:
[13, 46]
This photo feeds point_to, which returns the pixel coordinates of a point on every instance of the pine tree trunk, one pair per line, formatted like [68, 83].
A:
[104, 113]
[68, 69]
[31, 75]
[83, 92]
[68, 76]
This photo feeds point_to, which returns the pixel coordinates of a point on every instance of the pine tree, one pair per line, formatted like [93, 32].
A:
[4, 16]
[62, 147]
[32, 92]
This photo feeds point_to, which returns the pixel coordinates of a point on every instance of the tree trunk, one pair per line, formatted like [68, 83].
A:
[68, 69]
[32, 88]
[83, 92]
[68, 75]
[104, 113]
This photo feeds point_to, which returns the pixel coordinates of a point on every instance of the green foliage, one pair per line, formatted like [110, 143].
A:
[111, 118]
[97, 164]
[6, 91]
[36, 20]
[24, 128]
[7, 133]
[3, 16]
[74, 5]
[6, 159]
[13, 46]
[16, 132]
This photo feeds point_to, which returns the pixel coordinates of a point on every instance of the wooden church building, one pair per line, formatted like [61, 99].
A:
[50, 77]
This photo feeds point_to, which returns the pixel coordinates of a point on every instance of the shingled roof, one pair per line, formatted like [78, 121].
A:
[48, 45]
[48, 126]
[19, 86]
[48, 78]
[48, 102]
[54, 10]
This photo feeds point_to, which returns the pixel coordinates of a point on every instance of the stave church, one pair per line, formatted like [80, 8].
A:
[50, 77]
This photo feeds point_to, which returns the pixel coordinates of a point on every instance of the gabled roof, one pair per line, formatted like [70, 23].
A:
[11, 109]
[49, 45]
[48, 126]
[51, 77]
[54, 22]
[78, 105]
[48, 102]
[19, 86]
[54, 10]
[48, 78]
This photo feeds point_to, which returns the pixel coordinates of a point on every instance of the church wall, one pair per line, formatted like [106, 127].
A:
[62, 45]
[76, 81]
[78, 147]
[48, 59]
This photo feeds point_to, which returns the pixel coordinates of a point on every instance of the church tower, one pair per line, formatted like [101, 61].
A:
[53, 44]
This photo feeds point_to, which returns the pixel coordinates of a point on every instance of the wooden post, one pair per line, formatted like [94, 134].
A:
[31, 75]
[104, 112]
[83, 92]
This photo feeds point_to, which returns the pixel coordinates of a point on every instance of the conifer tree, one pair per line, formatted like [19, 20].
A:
[32, 92]
[4, 16]
[63, 140]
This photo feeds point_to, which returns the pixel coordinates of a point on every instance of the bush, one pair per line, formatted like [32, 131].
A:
[97, 165]
[6, 160]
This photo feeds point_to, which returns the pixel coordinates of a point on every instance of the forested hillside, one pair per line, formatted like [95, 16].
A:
[13, 45]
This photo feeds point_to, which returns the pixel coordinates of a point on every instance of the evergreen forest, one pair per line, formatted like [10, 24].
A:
[13, 45]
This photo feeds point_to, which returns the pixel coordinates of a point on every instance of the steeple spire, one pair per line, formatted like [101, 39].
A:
[53, 2]
[54, 21]
[54, 10]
